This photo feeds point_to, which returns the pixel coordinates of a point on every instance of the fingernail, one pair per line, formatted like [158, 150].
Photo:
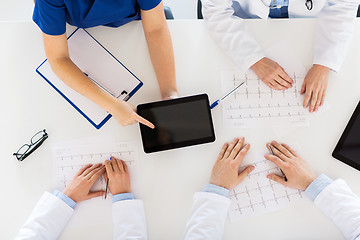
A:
[252, 168]
[268, 176]
[110, 158]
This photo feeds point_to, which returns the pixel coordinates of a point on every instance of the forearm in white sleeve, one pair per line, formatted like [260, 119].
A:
[208, 216]
[339, 203]
[129, 219]
[334, 32]
[231, 33]
[47, 220]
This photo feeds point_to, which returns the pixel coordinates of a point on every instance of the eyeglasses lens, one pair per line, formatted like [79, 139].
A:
[23, 149]
[37, 137]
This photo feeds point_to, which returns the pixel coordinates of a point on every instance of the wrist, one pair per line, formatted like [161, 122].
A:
[69, 201]
[105, 100]
[69, 195]
[170, 94]
[113, 105]
[219, 184]
[120, 192]
[306, 185]
[321, 68]
[309, 180]
[255, 65]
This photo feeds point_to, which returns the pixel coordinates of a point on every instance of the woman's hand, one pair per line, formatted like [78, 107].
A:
[314, 87]
[79, 187]
[297, 171]
[125, 114]
[272, 74]
[118, 174]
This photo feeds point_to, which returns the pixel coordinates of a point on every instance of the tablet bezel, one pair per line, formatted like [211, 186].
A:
[336, 153]
[171, 102]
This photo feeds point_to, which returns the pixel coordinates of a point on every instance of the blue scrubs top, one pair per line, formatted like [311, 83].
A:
[51, 15]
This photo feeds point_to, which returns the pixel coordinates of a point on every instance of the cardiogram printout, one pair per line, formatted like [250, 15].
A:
[70, 157]
[257, 194]
[256, 105]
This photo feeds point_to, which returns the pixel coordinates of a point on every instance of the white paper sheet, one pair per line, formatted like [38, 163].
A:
[256, 105]
[281, 131]
[69, 158]
[257, 194]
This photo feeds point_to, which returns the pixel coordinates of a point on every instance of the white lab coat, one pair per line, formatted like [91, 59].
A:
[337, 201]
[51, 215]
[207, 217]
[333, 33]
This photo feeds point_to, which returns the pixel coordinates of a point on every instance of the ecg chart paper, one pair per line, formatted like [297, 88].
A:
[70, 158]
[257, 195]
[255, 104]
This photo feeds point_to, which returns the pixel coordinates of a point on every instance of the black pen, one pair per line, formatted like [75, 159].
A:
[272, 152]
[106, 188]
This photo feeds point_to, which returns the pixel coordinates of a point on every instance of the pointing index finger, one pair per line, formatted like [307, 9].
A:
[143, 121]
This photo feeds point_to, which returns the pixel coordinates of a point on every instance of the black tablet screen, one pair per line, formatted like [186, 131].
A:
[351, 145]
[178, 123]
[348, 148]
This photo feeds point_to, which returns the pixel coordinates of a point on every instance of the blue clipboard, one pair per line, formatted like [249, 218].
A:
[130, 93]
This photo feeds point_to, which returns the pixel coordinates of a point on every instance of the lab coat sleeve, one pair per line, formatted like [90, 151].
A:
[338, 202]
[334, 32]
[208, 216]
[231, 33]
[129, 219]
[48, 219]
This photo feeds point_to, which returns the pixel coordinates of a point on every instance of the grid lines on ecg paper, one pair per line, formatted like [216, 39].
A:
[296, 89]
[99, 156]
[234, 194]
[263, 202]
[96, 154]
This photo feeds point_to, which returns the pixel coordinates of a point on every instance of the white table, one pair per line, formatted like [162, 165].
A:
[167, 180]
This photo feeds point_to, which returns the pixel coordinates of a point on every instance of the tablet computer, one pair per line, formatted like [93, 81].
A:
[348, 148]
[178, 123]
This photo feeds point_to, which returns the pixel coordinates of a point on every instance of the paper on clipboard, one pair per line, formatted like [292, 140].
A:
[102, 67]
